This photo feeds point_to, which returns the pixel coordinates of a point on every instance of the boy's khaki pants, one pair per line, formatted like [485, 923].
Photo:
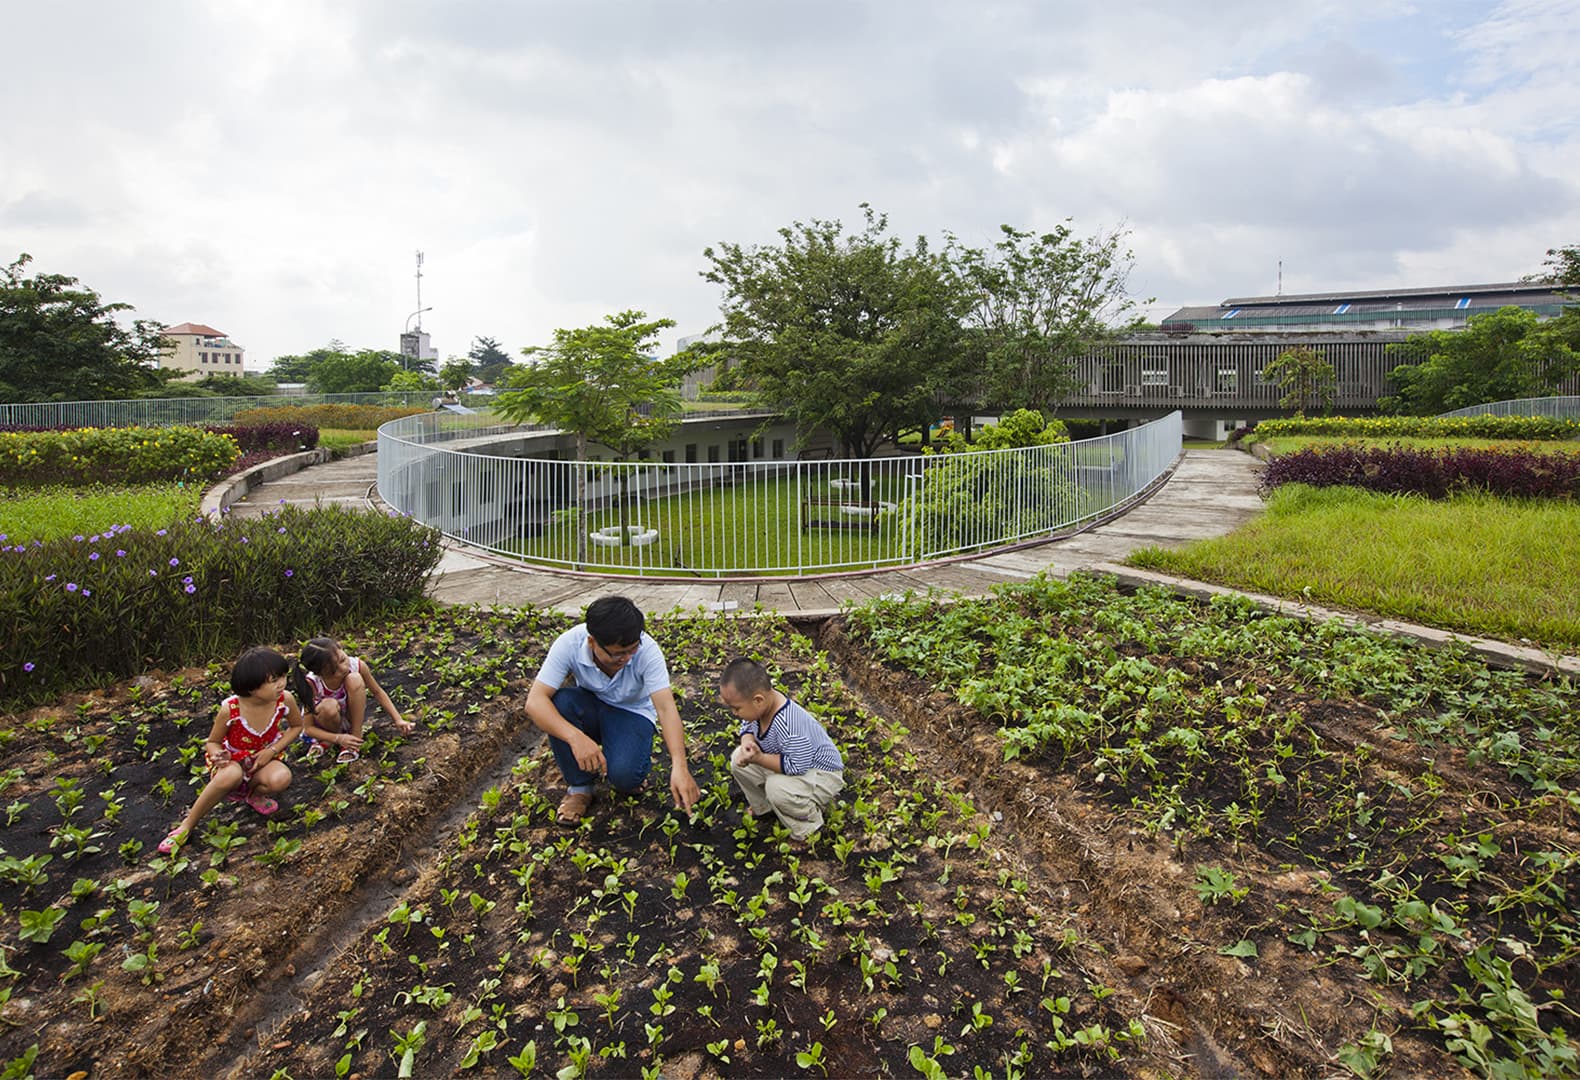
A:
[798, 801]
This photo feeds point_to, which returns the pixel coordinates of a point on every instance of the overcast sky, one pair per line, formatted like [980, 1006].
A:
[270, 168]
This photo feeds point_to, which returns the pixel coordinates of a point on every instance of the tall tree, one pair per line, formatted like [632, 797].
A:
[60, 342]
[454, 372]
[849, 332]
[1305, 376]
[1563, 266]
[1503, 354]
[489, 360]
[1041, 303]
[601, 383]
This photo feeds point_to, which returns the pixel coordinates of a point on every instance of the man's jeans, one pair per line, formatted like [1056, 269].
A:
[626, 738]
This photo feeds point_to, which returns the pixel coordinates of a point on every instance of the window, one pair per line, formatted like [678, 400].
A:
[202, 357]
[1228, 378]
[691, 453]
[1155, 377]
[1342, 309]
[757, 448]
[1462, 303]
[669, 457]
[1230, 314]
[713, 454]
[779, 448]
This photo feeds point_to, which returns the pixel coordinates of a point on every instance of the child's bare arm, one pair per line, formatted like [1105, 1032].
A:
[383, 698]
[214, 745]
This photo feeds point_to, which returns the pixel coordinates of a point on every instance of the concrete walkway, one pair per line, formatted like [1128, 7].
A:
[1209, 493]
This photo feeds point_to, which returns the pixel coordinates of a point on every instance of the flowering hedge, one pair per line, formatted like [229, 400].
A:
[1433, 473]
[1425, 427]
[93, 608]
[129, 455]
[276, 436]
[347, 417]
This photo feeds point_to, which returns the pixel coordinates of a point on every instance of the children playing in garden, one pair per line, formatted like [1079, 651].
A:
[251, 728]
[785, 763]
[334, 689]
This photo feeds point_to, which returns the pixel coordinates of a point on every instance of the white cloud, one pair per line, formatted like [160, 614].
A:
[270, 169]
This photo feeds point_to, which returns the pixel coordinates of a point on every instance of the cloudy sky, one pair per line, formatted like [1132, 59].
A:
[271, 168]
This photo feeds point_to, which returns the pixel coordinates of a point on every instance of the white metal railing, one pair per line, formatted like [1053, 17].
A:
[753, 517]
[1559, 407]
[164, 412]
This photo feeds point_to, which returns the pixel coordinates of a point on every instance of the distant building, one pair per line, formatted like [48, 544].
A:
[201, 350]
[414, 344]
[1411, 310]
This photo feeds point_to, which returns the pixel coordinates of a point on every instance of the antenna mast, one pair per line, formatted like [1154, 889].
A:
[419, 291]
[419, 284]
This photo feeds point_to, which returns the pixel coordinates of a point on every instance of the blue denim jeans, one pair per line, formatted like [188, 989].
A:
[626, 738]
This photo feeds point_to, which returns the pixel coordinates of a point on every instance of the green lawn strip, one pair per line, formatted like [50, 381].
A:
[344, 438]
[1448, 887]
[1472, 563]
[1288, 444]
[52, 513]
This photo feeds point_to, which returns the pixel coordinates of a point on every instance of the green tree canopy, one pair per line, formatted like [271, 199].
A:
[1305, 376]
[411, 381]
[1039, 303]
[849, 332]
[1023, 427]
[60, 342]
[354, 373]
[1508, 353]
[489, 360]
[454, 372]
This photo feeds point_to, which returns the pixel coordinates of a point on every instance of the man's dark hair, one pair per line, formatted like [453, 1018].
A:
[746, 677]
[614, 620]
[256, 667]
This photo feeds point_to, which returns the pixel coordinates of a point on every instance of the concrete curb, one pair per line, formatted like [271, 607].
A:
[233, 488]
[1498, 653]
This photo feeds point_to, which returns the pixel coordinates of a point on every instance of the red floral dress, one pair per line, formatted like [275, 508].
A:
[242, 743]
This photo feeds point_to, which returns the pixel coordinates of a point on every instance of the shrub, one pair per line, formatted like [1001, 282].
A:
[345, 417]
[972, 499]
[130, 455]
[106, 606]
[1432, 473]
[275, 436]
[1425, 427]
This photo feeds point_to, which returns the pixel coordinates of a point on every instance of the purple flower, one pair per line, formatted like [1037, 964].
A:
[290, 573]
[175, 562]
[71, 586]
[119, 554]
[94, 539]
[161, 532]
[78, 538]
[281, 529]
[94, 557]
[191, 588]
[186, 581]
[87, 592]
[244, 540]
[153, 573]
[28, 667]
[50, 578]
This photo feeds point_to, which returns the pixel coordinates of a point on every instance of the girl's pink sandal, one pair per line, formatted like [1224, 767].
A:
[263, 804]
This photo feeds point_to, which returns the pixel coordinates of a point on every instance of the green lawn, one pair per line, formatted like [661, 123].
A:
[344, 438]
[1503, 568]
[51, 513]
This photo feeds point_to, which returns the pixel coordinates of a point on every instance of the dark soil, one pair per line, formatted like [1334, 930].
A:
[971, 911]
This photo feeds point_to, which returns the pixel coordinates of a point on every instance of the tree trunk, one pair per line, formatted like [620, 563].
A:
[625, 510]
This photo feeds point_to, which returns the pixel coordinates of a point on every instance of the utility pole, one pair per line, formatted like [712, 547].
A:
[419, 292]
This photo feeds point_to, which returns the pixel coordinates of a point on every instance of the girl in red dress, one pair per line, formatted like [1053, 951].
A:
[251, 728]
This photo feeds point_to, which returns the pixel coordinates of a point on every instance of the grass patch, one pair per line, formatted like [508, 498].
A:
[56, 512]
[1288, 444]
[345, 438]
[1471, 563]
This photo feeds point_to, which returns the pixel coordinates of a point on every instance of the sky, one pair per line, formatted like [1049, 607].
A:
[272, 167]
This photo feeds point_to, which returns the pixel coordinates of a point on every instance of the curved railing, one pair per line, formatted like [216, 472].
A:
[1560, 407]
[165, 412]
[474, 480]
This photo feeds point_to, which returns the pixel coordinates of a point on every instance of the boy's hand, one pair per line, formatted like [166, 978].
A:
[745, 752]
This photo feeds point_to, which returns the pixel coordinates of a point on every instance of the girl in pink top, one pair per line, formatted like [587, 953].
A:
[251, 728]
[334, 688]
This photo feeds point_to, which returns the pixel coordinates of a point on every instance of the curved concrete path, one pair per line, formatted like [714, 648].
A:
[1209, 493]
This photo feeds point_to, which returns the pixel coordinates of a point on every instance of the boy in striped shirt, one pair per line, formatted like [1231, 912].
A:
[785, 762]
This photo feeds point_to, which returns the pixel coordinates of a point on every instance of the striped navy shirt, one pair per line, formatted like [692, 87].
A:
[799, 740]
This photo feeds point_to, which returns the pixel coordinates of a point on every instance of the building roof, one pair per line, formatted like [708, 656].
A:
[1362, 302]
[193, 328]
